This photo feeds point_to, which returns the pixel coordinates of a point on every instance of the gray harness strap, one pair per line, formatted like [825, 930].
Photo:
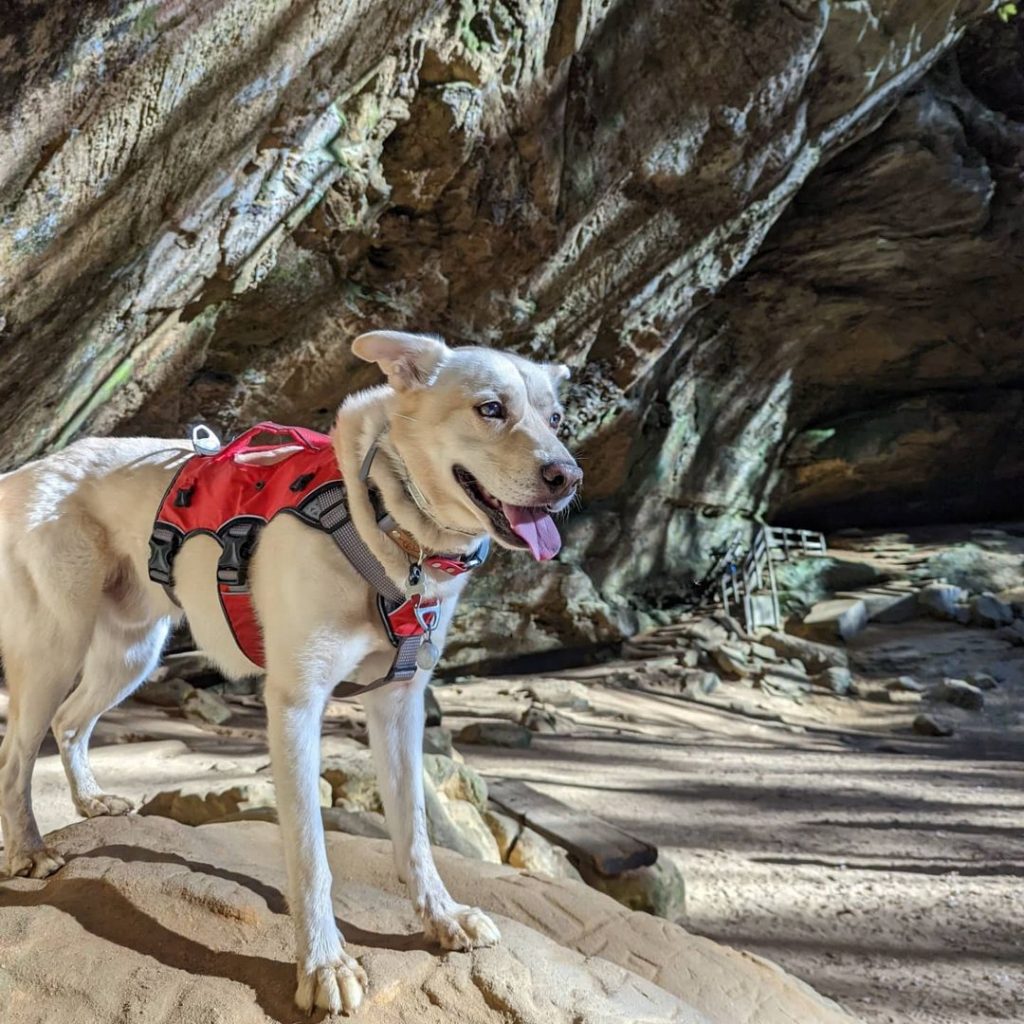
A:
[329, 506]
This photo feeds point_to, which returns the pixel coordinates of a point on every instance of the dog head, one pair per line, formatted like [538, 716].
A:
[477, 432]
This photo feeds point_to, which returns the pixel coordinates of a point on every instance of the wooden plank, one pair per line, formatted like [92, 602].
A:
[592, 842]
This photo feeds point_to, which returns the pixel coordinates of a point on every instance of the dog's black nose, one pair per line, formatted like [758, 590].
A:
[561, 477]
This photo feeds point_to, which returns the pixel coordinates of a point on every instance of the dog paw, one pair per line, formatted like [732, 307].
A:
[337, 987]
[104, 803]
[463, 928]
[39, 863]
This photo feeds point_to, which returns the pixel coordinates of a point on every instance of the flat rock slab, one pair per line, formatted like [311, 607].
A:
[186, 924]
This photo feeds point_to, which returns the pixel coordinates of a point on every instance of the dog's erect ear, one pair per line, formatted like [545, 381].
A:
[407, 360]
[559, 373]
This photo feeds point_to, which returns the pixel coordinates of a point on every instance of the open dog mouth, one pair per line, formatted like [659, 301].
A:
[520, 526]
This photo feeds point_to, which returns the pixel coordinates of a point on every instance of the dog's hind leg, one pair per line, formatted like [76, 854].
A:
[37, 681]
[394, 718]
[121, 654]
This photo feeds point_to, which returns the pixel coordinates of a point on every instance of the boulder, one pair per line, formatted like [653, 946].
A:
[907, 683]
[474, 833]
[1013, 634]
[941, 600]
[160, 915]
[839, 619]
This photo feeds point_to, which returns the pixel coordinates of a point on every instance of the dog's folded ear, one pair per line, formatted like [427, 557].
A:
[559, 372]
[407, 360]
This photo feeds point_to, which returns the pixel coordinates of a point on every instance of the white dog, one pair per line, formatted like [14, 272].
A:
[467, 448]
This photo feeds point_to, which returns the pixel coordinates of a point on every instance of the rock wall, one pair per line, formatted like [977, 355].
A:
[202, 203]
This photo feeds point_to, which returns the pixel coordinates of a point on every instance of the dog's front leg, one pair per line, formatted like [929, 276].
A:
[395, 720]
[327, 976]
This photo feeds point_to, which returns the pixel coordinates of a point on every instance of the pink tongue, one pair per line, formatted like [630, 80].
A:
[536, 528]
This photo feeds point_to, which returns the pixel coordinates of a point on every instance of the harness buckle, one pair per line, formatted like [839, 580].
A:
[164, 542]
[238, 539]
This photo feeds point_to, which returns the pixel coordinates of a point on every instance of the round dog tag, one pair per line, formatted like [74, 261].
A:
[427, 656]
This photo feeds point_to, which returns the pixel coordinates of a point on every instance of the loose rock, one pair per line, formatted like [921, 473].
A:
[989, 610]
[164, 693]
[496, 734]
[532, 852]
[817, 657]
[437, 740]
[214, 799]
[839, 619]
[909, 684]
[940, 600]
[204, 706]
[982, 680]
[961, 693]
[658, 889]
[838, 680]
[933, 725]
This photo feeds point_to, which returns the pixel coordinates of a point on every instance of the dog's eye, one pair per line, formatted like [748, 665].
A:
[491, 410]
[556, 418]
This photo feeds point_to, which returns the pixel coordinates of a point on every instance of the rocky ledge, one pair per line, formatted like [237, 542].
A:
[171, 922]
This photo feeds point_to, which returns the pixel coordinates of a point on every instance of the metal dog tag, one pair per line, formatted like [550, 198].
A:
[427, 656]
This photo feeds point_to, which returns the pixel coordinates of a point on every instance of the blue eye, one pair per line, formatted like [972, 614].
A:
[491, 411]
[556, 418]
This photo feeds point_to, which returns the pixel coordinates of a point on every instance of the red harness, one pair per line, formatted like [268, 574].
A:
[233, 494]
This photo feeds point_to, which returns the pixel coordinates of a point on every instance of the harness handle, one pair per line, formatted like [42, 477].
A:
[243, 443]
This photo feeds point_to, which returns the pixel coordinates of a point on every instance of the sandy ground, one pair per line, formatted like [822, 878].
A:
[882, 868]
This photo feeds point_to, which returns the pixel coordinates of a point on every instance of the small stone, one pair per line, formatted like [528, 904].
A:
[496, 734]
[933, 725]
[538, 718]
[940, 600]
[433, 709]
[563, 693]
[437, 740]
[907, 683]
[699, 682]
[838, 680]
[690, 658]
[165, 693]
[983, 681]
[961, 693]
[204, 706]
[989, 610]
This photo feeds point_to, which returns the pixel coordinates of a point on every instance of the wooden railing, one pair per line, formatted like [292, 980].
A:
[748, 587]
